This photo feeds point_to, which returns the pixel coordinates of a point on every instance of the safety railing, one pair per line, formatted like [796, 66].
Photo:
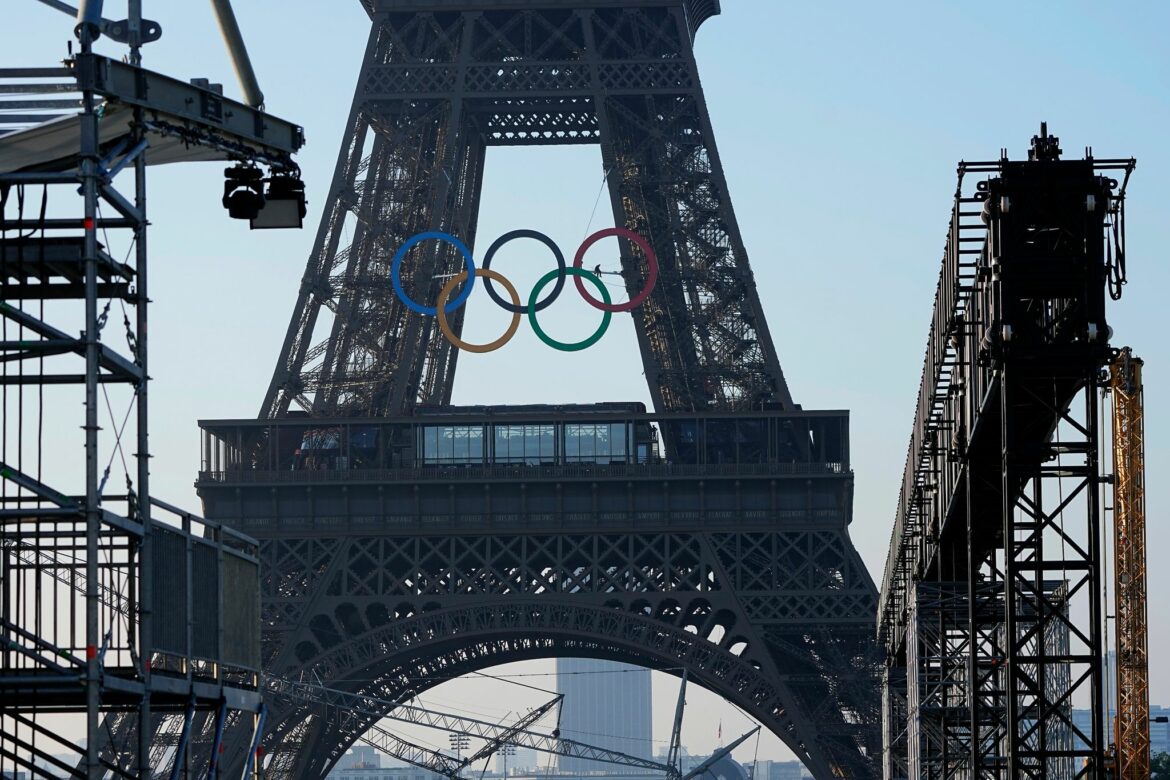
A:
[206, 582]
[30, 96]
[472, 473]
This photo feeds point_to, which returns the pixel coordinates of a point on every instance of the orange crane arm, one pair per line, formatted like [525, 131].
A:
[1129, 545]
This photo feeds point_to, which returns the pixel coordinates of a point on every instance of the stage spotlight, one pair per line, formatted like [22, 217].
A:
[243, 191]
[284, 205]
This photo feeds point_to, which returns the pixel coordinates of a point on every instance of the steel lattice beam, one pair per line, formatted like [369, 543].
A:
[1129, 539]
[806, 682]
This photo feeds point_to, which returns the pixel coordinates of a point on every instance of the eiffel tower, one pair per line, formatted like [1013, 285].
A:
[709, 534]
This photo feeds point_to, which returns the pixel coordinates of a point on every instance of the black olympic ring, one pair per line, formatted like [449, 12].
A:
[542, 238]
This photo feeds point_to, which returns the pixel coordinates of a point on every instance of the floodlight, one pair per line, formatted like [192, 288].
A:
[243, 191]
[284, 203]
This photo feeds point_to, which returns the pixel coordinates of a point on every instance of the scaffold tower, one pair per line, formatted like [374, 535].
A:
[119, 613]
[991, 605]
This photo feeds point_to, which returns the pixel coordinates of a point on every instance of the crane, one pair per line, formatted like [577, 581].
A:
[395, 746]
[1132, 727]
[346, 704]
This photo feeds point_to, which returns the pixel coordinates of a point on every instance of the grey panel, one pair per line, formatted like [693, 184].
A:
[169, 576]
[241, 612]
[204, 602]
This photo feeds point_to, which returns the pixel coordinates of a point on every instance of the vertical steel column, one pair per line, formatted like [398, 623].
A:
[443, 213]
[914, 693]
[1096, 616]
[87, 31]
[1008, 476]
[895, 720]
[972, 570]
[285, 384]
[217, 742]
[180, 761]
[142, 455]
[253, 760]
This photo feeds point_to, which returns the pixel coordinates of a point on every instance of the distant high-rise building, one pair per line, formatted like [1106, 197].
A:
[1159, 731]
[606, 704]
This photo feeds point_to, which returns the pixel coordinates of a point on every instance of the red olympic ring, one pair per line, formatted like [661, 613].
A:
[651, 276]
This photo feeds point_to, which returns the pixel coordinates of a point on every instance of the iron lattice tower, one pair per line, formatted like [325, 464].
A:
[440, 86]
[731, 560]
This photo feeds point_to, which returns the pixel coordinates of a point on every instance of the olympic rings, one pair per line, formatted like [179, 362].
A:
[542, 238]
[396, 272]
[445, 293]
[444, 306]
[580, 273]
[651, 276]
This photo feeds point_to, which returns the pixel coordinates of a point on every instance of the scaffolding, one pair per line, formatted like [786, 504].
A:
[119, 613]
[991, 605]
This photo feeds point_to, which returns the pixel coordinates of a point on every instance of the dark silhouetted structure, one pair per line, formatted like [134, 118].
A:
[991, 602]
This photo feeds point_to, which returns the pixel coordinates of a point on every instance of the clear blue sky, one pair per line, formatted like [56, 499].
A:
[839, 125]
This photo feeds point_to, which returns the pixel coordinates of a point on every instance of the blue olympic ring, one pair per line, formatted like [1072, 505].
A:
[396, 272]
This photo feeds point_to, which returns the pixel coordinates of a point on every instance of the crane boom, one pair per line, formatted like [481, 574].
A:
[346, 703]
[1129, 545]
[448, 766]
[495, 743]
[674, 754]
[396, 747]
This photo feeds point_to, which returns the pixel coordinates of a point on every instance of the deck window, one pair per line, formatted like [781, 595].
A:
[452, 444]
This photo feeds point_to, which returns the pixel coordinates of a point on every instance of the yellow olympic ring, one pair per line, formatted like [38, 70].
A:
[440, 306]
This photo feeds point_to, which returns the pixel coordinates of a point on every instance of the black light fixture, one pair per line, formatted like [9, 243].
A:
[284, 203]
[243, 191]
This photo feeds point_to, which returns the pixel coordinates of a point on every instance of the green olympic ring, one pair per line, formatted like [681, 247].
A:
[549, 340]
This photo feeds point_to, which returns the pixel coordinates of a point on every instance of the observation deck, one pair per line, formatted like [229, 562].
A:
[471, 469]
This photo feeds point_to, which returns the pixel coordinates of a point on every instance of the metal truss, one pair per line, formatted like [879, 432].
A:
[341, 707]
[932, 723]
[436, 89]
[778, 622]
[416, 755]
[1129, 539]
[937, 651]
[389, 744]
[1002, 482]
